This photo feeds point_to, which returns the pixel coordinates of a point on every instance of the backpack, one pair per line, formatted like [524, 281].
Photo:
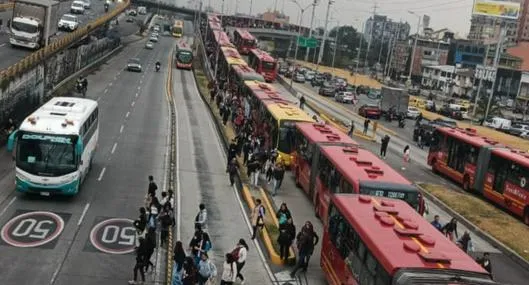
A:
[235, 253]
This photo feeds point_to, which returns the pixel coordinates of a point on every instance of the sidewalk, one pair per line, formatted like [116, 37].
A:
[302, 210]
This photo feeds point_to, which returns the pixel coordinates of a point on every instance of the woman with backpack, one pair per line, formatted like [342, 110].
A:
[229, 271]
[239, 254]
[283, 214]
[206, 269]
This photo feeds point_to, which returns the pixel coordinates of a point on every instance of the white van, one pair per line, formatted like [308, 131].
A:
[459, 108]
[498, 123]
[77, 7]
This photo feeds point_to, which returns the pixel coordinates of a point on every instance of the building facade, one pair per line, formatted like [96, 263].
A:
[466, 53]
[448, 79]
[379, 27]
[486, 30]
[429, 53]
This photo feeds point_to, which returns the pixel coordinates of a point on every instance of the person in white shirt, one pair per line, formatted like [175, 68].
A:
[201, 218]
[229, 270]
[239, 255]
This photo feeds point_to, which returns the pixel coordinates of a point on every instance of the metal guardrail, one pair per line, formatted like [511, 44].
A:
[36, 57]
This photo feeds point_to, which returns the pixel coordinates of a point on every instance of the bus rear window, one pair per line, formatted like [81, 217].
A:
[394, 191]
[269, 65]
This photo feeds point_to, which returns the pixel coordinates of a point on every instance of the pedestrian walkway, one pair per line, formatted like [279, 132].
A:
[302, 210]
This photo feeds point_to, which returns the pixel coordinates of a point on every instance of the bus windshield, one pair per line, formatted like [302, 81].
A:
[395, 191]
[184, 56]
[287, 134]
[46, 155]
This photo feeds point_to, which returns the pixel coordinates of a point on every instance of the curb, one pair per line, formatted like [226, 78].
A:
[69, 78]
[476, 230]
[267, 240]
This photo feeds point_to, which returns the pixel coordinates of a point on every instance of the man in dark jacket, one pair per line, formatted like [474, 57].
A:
[485, 262]
[287, 233]
[384, 146]
[152, 186]
[306, 241]
[232, 151]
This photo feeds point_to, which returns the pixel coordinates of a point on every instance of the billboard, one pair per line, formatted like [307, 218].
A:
[499, 9]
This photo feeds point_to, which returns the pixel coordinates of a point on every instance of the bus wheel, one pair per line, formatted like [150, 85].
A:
[466, 183]
[526, 216]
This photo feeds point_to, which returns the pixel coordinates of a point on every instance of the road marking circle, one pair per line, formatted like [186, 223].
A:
[114, 236]
[32, 229]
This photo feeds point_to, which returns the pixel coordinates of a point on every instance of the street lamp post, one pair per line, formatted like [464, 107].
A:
[359, 48]
[322, 46]
[335, 45]
[301, 12]
[414, 44]
[314, 4]
[218, 47]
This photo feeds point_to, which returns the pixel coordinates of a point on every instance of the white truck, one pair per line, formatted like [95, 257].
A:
[142, 10]
[394, 100]
[33, 23]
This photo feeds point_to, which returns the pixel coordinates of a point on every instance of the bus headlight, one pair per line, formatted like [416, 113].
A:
[69, 178]
[20, 176]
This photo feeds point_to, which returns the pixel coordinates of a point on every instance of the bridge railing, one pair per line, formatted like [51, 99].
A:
[58, 44]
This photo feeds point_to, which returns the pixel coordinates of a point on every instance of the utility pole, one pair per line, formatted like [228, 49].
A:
[251, 6]
[335, 45]
[371, 35]
[381, 43]
[322, 46]
[387, 68]
[360, 47]
[314, 4]
[218, 47]
[497, 56]
[414, 45]
[485, 64]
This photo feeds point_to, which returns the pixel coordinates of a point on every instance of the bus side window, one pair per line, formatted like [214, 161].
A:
[472, 155]
[437, 141]
[345, 187]
[325, 170]
[517, 174]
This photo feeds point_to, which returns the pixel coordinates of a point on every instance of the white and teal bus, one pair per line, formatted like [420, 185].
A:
[54, 146]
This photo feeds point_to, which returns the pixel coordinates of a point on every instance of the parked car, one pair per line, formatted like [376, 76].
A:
[518, 129]
[282, 70]
[413, 113]
[327, 89]
[370, 111]
[345, 97]
[309, 75]
[299, 78]
[317, 81]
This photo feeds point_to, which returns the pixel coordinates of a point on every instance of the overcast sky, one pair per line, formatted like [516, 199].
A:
[452, 14]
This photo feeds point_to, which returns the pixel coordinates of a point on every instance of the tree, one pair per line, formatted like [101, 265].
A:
[494, 111]
[348, 41]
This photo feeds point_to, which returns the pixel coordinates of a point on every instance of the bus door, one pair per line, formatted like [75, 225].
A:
[500, 170]
[456, 155]
[314, 171]
[482, 167]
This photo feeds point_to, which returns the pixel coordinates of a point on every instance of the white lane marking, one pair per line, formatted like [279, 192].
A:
[8, 205]
[106, 90]
[121, 129]
[110, 84]
[54, 276]
[132, 104]
[139, 87]
[127, 115]
[137, 94]
[101, 174]
[141, 81]
[83, 214]
[114, 148]
[2, 45]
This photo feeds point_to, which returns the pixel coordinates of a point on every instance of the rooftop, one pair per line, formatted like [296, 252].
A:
[324, 134]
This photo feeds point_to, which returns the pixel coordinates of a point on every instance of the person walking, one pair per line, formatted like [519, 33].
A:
[206, 269]
[141, 254]
[257, 217]
[450, 229]
[366, 126]
[279, 173]
[179, 255]
[283, 214]
[437, 224]
[301, 102]
[154, 208]
[351, 129]
[150, 246]
[199, 243]
[232, 151]
[306, 241]
[229, 270]
[384, 146]
[465, 242]
[232, 170]
[152, 186]
[166, 220]
[201, 217]
[484, 261]
[406, 157]
[253, 168]
[239, 253]
[189, 272]
[287, 234]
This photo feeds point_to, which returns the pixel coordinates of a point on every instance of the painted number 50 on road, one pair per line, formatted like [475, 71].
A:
[114, 236]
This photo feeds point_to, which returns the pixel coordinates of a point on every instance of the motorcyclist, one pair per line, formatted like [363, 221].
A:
[158, 64]
[82, 85]
[106, 6]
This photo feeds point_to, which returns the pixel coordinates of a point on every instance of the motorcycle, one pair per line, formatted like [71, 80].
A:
[157, 67]
[402, 123]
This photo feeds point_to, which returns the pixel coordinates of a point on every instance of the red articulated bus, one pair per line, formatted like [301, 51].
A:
[382, 241]
[244, 41]
[184, 56]
[241, 73]
[483, 166]
[263, 63]
[329, 162]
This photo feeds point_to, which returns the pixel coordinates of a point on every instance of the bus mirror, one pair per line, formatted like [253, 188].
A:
[12, 141]
[79, 146]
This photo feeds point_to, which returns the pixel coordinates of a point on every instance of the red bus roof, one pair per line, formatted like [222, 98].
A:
[518, 156]
[247, 73]
[245, 34]
[363, 164]
[215, 26]
[469, 136]
[222, 39]
[399, 237]
[263, 55]
[322, 133]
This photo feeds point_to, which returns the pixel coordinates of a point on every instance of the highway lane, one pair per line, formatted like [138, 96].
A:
[131, 146]
[504, 269]
[10, 55]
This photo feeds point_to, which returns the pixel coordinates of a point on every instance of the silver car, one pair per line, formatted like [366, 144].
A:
[300, 78]
[149, 45]
[134, 65]
[153, 38]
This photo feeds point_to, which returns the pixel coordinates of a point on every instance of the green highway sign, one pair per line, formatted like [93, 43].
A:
[307, 42]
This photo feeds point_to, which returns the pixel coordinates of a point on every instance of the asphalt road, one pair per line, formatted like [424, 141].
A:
[132, 145]
[10, 55]
[505, 270]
